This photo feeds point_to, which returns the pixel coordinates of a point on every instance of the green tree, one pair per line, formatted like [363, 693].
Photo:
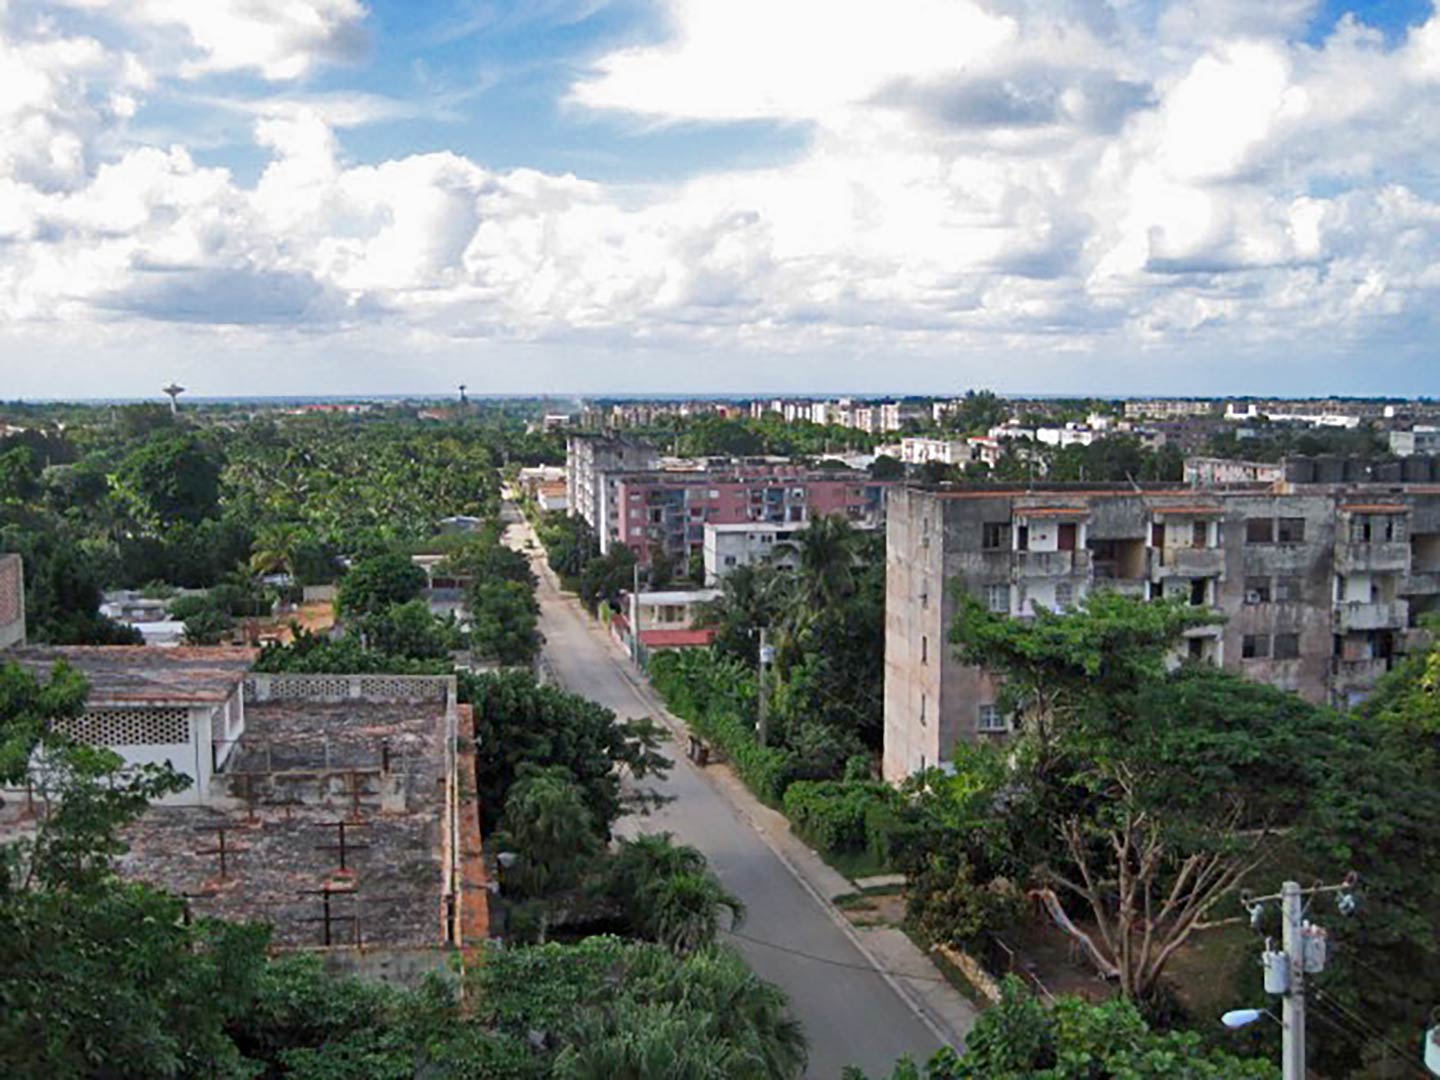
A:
[550, 829]
[504, 620]
[172, 477]
[1019, 1039]
[372, 585]
[667, 894]
[518, 722]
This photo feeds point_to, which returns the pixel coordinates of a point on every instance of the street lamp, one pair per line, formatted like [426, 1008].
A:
[1236, 1019]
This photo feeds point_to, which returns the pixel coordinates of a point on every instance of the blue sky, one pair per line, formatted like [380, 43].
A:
[337, 196]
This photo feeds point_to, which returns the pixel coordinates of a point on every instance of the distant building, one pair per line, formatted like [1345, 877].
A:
[1210, 472]
[591, 462]
[1321, 586]
[12, 601]
[921, 451]
[667, 512]
[1167, 408]
[895, 414]
[1418, 440]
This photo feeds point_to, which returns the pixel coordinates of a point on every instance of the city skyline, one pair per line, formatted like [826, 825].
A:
[336, 197]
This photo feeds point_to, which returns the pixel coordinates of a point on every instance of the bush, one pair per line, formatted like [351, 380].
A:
[836, 815]
[715, 695]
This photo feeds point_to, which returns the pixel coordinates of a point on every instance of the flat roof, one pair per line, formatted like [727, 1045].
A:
[146, 673]
[302, 768]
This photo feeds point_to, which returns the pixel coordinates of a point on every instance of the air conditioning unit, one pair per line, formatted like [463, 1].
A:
[1252, 597]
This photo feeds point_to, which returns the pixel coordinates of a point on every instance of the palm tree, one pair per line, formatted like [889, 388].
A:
[826, 572]
[686, 910]
[274, 550]
[667, 894]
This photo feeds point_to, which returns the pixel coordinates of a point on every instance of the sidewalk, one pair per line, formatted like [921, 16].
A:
[920, 984]
[947, 1011]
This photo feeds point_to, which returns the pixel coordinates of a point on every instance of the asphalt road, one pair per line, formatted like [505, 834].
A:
[851, 1014]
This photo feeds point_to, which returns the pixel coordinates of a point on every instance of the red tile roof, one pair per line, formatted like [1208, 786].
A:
[677, 639]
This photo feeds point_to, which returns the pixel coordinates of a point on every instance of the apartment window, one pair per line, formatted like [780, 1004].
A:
[989, 718]
[997, 598]
[1290, 530]
[1255, 646]
[1259, 530]
[1360, 530]
[924, 601]
[923, 701]
[729, 560]
[1257, 590]
[924, 649]
[1287, 647]
[714, 493]
[995, 535]
[1064, 594]
[1199, 534]
[1199, 592]
[1289, 590]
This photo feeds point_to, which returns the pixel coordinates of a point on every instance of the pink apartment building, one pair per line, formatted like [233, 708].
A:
[668, 512]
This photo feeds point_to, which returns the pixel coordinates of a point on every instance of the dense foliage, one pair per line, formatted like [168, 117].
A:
[1021, 1039]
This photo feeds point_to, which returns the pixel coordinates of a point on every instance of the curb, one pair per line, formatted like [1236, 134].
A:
[939, 1027]
[921, 1009]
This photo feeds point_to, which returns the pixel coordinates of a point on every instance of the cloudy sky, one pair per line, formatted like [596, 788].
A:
[285, 196]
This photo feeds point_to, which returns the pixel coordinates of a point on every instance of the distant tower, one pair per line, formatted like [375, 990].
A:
[174, 390]
[463, 399]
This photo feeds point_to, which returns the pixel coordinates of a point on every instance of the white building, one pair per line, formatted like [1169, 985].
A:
[1418, 440]
[919, 451]
[728, 547]
[152, 706]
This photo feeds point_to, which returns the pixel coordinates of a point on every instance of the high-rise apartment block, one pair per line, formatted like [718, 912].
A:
[1321, 586]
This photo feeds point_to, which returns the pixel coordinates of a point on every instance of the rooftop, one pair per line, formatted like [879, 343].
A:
[139, 673]
[313, 757]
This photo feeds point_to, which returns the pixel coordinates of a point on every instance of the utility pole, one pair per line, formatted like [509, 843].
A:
[762, 727]
[1292, 1016]
[1303, 951]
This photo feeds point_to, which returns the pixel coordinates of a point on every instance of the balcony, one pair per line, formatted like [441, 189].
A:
[1421, 584]
[1033, 564]
[1358, 673]
[1123, 586]
[1188, 562]
[1384, 557]
[1362, 616]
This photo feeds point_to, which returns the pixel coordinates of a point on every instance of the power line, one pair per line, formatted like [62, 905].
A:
[1372, 1030]
[868, 968]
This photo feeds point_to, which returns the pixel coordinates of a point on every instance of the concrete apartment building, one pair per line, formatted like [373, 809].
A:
[915, 450]
[1321, 585]
[668, 512]
[1421, 439]
[1167, 408]
[591, 463]
[726, 548]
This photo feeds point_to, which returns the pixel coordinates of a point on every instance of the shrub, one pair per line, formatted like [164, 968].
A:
[835, 815]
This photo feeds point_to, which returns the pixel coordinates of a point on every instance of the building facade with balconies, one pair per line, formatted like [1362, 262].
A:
[668, 512]
[1319, 587]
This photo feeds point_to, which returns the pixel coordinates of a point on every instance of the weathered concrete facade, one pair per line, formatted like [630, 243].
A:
[591, 465]
[1320, 586]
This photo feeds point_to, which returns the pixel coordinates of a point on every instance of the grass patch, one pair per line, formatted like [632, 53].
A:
[854, 864]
